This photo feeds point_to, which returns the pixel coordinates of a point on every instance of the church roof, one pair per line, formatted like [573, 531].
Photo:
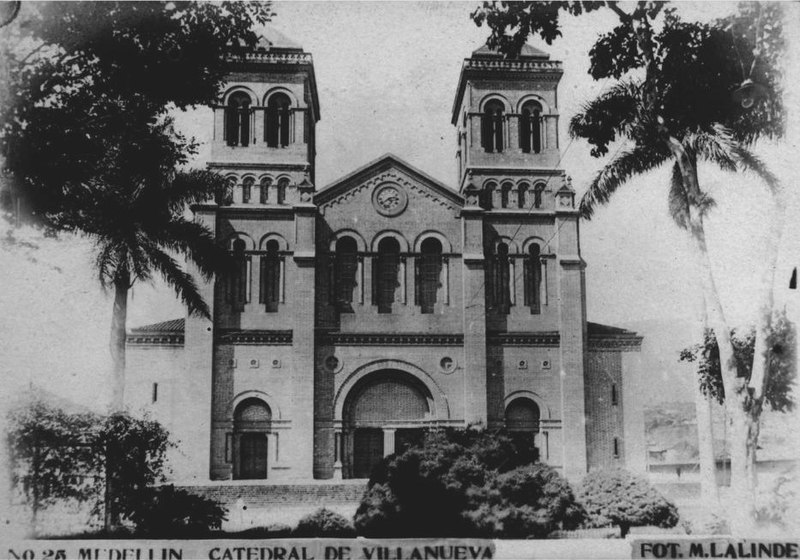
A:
[375, 167]
[272, 39]
[171, 326]
[527, 51]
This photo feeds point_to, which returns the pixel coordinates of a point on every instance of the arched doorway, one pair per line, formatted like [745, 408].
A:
[382, 414]
[522, 421]
[251, 424]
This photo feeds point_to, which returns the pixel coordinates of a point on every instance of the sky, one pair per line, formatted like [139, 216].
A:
[387, 73]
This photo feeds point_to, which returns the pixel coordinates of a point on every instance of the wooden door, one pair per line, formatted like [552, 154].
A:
[253, 456]
[367, 451]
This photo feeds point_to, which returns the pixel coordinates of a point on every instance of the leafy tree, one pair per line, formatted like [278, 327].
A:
[616, 497]
[113, 463]
[685, 92]
[51, 455]
[88, 137]
[324, 523]
[461, 483]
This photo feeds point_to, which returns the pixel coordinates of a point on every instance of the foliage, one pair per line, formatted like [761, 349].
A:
[272, 531]
[777, 505]
[165, 511]
[324, 523]
[52, 454]
[781, 365]
[58, 456]
[616, 497]
[461, 483]
[529, 501]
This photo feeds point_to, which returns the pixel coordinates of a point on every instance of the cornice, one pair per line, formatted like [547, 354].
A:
[267, 166]
[631, 343]
[268, 337]
[155, 339]
[547, 338]
[395, 339]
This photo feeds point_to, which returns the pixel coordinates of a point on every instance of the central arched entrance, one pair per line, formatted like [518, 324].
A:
[384, 413]
[251, 424]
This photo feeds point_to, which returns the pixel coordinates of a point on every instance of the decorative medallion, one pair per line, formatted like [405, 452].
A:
[332, 364]
[447, 364]
[389, 199]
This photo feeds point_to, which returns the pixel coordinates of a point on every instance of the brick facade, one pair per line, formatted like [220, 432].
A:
[386, 303]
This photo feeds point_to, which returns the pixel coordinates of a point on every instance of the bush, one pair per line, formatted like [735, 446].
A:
[463, 483]
[324, 523]
[165, 511]
[616, 497]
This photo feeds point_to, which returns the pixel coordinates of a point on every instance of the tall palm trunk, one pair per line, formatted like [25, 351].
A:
[119, 318]
[735, 391]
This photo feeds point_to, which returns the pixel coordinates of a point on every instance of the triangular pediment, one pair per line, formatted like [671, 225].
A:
[387, 168]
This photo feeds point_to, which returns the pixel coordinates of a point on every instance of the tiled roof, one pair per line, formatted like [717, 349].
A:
[171, 326]
[527, 51]
[606, 330]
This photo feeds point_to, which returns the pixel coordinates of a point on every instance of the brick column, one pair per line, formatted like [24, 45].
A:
[572, 328]
[475, 400]
[302, 406]
[192, 399]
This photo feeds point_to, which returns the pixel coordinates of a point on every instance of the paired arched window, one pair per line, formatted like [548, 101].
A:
[533, 279]
[266, 183]
[283, 184]
[492, 126]
[385, 274]
[247, 189]
[500, 279]
[345, 270]
[428, 274]
[237, 120]
[271, 277]
[239, 278]
[277, 120]
[530, 128]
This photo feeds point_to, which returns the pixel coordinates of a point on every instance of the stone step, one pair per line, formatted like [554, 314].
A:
[260, 495]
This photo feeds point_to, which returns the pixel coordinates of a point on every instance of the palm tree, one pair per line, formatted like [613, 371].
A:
[625, 111]
[136, 233]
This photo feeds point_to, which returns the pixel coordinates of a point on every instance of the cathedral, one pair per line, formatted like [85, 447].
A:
[361, 313]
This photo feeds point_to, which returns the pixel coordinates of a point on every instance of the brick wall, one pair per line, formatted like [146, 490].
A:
[604, 420]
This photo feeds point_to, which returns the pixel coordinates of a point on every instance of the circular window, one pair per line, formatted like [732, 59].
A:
[333, 364]
[389, 199]
[447, 364]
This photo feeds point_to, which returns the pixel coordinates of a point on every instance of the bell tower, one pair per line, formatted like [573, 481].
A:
[523, 273]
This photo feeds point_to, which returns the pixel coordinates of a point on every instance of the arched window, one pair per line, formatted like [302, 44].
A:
[277, 121]
[239, 278]
[271, 277]
[492, 126]
[486, 198]
[533, 279]
[247, 189]
[522, 415]
[428, 274]
[282, 186]
[266, 183]
[385, 273]
[224, 196]
[537, 195]
[505, 195]
[522, 194]
[346, 266]
[237, 120]
[530, 128]
[500, 276]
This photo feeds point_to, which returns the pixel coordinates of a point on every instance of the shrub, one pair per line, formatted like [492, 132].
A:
[616, 497]
[324, 523]
[462, 483]
[166, 511]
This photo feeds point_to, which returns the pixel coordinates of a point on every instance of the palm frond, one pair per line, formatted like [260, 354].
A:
[182, 282]
[192, 187]
[195, 242]
[611, 114]
[626, 164]
[751, 162]
[678, 200]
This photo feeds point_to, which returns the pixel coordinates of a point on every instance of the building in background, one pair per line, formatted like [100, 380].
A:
[359, 314]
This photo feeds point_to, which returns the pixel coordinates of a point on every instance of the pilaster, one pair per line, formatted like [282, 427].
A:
[475, 398]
